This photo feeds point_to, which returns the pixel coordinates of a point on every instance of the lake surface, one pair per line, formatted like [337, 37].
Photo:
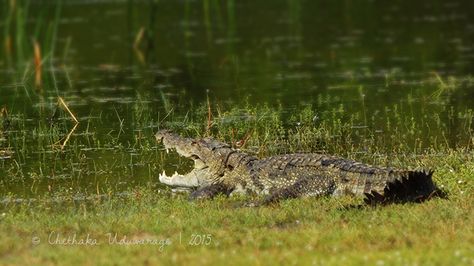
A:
[126, 68]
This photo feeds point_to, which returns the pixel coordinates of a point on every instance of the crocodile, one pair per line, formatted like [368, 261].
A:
[221, 169]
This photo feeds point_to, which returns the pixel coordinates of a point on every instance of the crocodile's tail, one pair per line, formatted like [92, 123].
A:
[414, 186]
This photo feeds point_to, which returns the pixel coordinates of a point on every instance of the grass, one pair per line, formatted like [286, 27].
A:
[296, 231]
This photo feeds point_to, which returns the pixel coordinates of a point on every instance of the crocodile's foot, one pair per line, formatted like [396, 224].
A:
[209, 192]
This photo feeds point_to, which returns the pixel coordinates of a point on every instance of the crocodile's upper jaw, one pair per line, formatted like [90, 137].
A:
[206, 163]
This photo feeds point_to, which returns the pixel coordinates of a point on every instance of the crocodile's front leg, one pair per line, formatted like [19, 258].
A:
[306, 186]
[210, 191]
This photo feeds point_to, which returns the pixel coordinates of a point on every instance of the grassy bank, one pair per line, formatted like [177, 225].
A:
[147, 225]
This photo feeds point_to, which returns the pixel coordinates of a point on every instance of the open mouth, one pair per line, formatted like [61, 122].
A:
[192, 179]
[196, 177]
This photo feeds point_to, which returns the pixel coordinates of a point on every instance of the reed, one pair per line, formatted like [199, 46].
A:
[37, 64]
[30, 44]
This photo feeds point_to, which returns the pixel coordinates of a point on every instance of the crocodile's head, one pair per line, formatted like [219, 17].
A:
[209, 158]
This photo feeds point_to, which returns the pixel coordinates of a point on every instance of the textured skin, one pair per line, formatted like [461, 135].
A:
[221, 169]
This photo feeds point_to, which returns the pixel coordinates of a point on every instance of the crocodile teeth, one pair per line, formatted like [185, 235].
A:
[163, 177]
[164, 174]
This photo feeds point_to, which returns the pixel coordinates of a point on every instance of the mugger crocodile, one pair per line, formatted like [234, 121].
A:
[220, 169]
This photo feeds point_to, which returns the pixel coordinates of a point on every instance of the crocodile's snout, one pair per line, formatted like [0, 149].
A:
[160, 135]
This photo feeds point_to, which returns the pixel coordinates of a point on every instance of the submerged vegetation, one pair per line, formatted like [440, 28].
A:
[80, 102]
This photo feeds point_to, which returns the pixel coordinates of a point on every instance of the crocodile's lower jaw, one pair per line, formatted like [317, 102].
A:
[176, 180]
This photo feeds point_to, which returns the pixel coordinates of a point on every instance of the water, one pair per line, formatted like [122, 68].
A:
[368, 57]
